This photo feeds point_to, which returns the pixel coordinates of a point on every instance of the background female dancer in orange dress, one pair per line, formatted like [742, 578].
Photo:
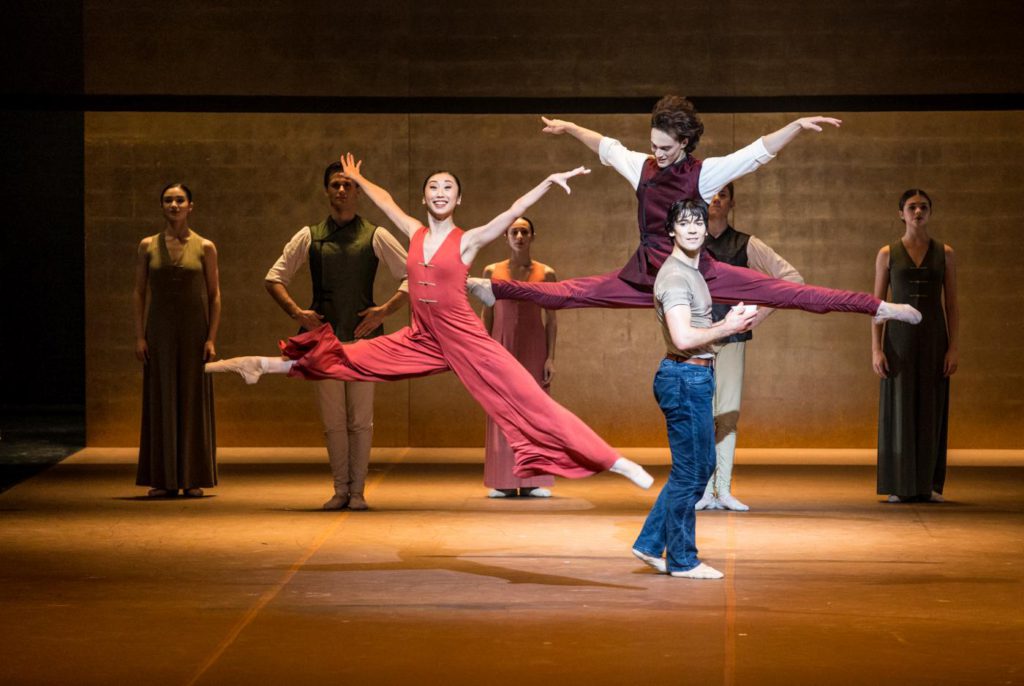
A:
[446, 335]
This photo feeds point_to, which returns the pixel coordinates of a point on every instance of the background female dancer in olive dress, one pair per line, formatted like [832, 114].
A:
[915, 362]
[174, 335]
[446, 335]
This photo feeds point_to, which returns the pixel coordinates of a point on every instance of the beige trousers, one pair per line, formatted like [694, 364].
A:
[346, 409]
[726, 406]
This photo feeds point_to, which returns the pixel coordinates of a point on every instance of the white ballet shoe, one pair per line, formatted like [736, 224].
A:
[632, 471]
[701, 571]
[729, 502]
[536, 492]
[337, 502]
[481, 290]
[897, 311]
[657, 562]
[707, 502]
[499, 493]
[936, 497]
[251, 367]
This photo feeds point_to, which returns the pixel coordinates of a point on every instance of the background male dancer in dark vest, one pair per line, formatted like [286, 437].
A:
[669, 174]
[742, 250]
[343, 252]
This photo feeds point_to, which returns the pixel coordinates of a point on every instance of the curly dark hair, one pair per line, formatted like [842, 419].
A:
[676, 116]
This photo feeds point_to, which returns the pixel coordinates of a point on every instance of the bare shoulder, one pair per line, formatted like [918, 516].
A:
[948, 249]
[145, 244]
[489, 269]
[209, 247]
[549, 273]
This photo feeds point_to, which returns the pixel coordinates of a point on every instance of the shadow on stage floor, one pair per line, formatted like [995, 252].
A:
[825, 583]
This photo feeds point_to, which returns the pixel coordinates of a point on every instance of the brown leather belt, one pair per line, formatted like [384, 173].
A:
[699, 361]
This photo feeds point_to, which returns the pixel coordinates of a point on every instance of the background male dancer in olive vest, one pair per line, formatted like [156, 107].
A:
[343, 252]
[741, 250]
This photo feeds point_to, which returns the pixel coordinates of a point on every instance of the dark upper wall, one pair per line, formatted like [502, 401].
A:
[559, 49]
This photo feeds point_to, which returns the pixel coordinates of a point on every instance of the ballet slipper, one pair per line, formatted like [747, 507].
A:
[193, 492]
[157, 493]
[936, 497]
[651, 561]
[701, 571]
[251, 368]
[357, 502]
[729, 502]
[337, 502]
[632, 471]
[501, 493]
[898, 312]
[481, 290]
[536, 492]
[707, 502]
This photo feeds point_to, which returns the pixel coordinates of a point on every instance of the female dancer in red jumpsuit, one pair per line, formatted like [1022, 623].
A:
[446, 335]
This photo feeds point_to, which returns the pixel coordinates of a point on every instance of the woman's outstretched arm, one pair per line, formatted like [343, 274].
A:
[378, 196]
[482, 235]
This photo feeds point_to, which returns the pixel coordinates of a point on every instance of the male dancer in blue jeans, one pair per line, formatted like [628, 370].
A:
[684, 387]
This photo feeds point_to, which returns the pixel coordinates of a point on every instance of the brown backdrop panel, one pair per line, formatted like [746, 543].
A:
[599, 48]
[826, 204]
[257, 179]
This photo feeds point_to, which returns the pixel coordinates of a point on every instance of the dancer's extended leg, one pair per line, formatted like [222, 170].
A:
[251, 367]
[729, 284]
[604, 290]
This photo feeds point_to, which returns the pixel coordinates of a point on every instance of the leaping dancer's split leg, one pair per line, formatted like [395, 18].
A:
[250, 367]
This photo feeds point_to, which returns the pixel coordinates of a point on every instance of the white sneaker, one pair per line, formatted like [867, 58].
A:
[536, 492]
[657, 562]
[632, 471]
[251, 368]
[707, 502]
[701, 571]
[481, 290]
[897, 311]
[729, 502]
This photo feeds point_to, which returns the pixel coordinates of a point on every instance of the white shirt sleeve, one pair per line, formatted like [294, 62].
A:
[387, 248]
[765, 260]
[296, 254]
[627, 162]
[716, 172]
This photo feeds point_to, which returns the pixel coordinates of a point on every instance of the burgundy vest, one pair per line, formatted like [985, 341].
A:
[657, 190]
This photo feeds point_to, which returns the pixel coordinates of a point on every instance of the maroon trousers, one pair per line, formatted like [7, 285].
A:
[728, 284]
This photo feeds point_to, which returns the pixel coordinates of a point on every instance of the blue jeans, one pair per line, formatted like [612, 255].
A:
[684, 392]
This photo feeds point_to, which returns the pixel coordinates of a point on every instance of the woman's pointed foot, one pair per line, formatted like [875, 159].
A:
[897, 311]
[251, 368]
[632, 471]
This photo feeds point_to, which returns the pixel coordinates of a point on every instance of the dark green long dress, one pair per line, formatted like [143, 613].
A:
[177, 441]
[914, 405]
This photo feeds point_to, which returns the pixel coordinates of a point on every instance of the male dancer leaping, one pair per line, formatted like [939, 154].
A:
[666, 176]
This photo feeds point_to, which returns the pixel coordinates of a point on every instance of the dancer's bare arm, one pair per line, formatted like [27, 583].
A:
[474, 239]
[952, 360]
[139, 300]
[557, 127]
[776, 141]
[550, 334]
[488, 311]
[685, 336]
[878, 361]
[350, 167]
[212, 273]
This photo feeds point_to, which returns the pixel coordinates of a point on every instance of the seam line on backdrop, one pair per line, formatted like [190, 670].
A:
[268, 596]
[98, 102]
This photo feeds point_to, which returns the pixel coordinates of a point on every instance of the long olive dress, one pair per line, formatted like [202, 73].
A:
[177, 442]
[914, 404]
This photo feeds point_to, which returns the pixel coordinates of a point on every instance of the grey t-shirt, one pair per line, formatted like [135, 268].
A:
[679, 284]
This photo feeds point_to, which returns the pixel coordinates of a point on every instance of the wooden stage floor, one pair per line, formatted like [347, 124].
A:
[437, 584]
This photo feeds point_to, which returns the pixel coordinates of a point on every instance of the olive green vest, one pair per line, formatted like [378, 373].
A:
[343, 266]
